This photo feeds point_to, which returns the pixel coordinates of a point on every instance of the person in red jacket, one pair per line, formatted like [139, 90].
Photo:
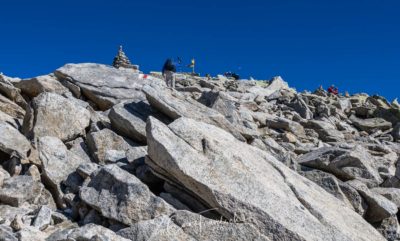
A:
[333, 90]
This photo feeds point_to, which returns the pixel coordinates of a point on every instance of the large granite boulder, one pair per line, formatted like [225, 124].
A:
[346, 164]
[11, 108]
[129, 119]
[54, 115]
[11, 140]
[234, 179]
[371, 124]
[120, 196]
[105, 85]
[45, 83]
[58, 163]
[106, 146]
[24, 189]
[326, 130]
[175, 105]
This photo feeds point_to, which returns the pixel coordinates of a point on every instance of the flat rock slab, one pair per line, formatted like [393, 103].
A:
[230, 176]
[371, 124]
[105, 85]
[120, 196]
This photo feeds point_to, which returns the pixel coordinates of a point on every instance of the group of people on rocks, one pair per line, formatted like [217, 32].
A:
[170, 67]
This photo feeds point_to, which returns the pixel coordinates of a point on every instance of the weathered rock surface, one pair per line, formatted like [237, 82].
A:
[122, 197]
[46, 83]
[197, 156]
[57, 116]
[225, 168]
[174, 105]
[20, 189]
[379, 207]
[106, 143]
[371, 124]
[91, 232]
[129, 119]
[343, 163]
[11, 140]
[11, 108]
[57, 163]
[105, 85]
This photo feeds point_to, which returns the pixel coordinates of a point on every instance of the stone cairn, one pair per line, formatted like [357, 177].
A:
[122, 61]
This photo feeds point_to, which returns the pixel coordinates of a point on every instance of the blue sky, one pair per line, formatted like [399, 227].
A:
[353, 44]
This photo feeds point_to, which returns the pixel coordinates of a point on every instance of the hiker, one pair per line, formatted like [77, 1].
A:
[333, 90]
[168, 72]
[232, 75]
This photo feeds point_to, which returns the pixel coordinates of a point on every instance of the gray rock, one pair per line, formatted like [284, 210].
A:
[329, 183]
[12, 93]
[86, 169]
[11, 140]
[371, 124]
[396, 132]
[175, 105]
[58, 164]
[79, 147]
[204, 229]
[105, 140]
[389, 228]
[9, 213]
[65, 123]
[89, 231]
[285, 124]
[19, 189]
[3, 175]
[379, 207]
[14, 122]
[129, 119]
[6, 234]
[393, 194]
[229, 176]
[11, 108]
[346, 164]
[46, 83]
[105, 85]
[120, 196]
[300, 106]
[31, 233]
[326, 131]
[43, 218]
[159, 228]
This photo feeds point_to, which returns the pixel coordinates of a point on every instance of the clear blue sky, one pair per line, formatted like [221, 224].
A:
[354, 44]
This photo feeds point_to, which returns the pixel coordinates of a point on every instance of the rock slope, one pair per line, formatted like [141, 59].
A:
[91, 152]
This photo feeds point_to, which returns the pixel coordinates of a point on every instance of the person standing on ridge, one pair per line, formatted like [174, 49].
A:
[168, 71]
[333, 90]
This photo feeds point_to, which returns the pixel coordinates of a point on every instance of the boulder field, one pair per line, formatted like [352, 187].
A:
[97, 153]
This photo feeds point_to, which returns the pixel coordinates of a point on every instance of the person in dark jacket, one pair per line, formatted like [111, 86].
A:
[168, 71]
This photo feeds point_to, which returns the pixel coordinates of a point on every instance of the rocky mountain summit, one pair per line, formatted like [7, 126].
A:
[97, 153]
